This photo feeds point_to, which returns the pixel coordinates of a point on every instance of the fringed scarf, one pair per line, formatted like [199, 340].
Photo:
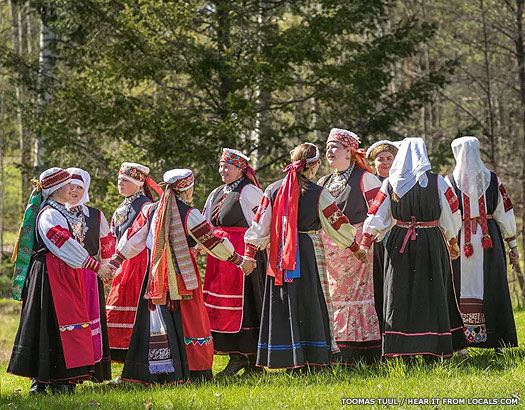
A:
[25, 240]
[170, 253]
[283, 238]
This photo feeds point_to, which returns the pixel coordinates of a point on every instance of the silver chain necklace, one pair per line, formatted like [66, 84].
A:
[338, 180]
[230, 187]
[123, 210]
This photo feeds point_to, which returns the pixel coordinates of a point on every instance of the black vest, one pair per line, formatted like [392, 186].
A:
[230, 212]
[351, 200]
[136, 206]
[423, 203]
[308, 209]
[92, 238]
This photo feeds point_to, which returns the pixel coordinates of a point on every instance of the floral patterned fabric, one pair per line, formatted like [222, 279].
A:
[352, 292]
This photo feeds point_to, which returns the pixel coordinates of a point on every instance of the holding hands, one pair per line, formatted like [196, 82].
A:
[105, 272]
[361, 254]
[248, 265]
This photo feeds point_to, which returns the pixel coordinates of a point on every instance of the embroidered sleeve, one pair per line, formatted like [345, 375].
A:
[370, 187]
[258, 234]
[504, 214]
[450, 218]
[202, 231]
[335, 223]
[452, 199]
[91, 264]
[107, 240]
[249, 199]
[54, 231]
[379, 220]
[134, 241]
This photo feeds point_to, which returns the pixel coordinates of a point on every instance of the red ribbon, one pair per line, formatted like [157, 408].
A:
[411, 234]
[153, 185]
[249, 173]
[283, 237]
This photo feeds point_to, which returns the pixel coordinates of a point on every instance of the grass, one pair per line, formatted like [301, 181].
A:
[485, 375]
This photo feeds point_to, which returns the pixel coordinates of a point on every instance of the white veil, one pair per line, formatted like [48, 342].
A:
[409, 166]
[471, 175]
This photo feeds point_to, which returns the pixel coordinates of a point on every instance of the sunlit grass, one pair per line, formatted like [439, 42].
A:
[485, 375]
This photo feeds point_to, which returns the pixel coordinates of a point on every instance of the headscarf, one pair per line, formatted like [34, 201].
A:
[472, 178]
[471, 175]
[241, 161]
[138, 174]
[409, 166]
[83, 179]
[170, 243]
[380, 146]
[283, 236]
[350, 141]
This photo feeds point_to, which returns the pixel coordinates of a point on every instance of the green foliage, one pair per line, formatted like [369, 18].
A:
[171, 83]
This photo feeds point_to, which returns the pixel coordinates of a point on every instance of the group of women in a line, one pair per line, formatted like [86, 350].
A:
[350, 267]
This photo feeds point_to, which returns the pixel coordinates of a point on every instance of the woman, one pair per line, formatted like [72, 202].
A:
[351, 281]
[233, 301]
[171, 341]
[381, 154]
[92, 231]
[295, 327]
[121, 304]
[421, 314]
[480, 273]
[54, 343]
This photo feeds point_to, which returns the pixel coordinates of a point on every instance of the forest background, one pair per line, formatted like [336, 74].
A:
[93, 83]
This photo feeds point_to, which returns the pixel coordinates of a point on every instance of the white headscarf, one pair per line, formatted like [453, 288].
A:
[471, 175]
[409, 166]
[85, 183]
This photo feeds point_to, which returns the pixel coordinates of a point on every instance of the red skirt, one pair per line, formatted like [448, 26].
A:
[224, 286]
[196, 328]
[121, 305]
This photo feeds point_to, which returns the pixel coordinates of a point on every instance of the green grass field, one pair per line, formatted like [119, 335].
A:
[484, 376]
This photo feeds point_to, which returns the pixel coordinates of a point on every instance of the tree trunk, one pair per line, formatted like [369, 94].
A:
[223, 45]
[47, 65]
[488, 91]
[25, 49]
[520, 55]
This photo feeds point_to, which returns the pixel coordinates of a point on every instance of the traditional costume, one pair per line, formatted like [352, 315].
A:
[481, 271]
[54, 343]
[171, 341]
[296, 326]
[91, 230]
[421, 313]
[121, 304]
[234, 301]
[351, 281]
[379, 247]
